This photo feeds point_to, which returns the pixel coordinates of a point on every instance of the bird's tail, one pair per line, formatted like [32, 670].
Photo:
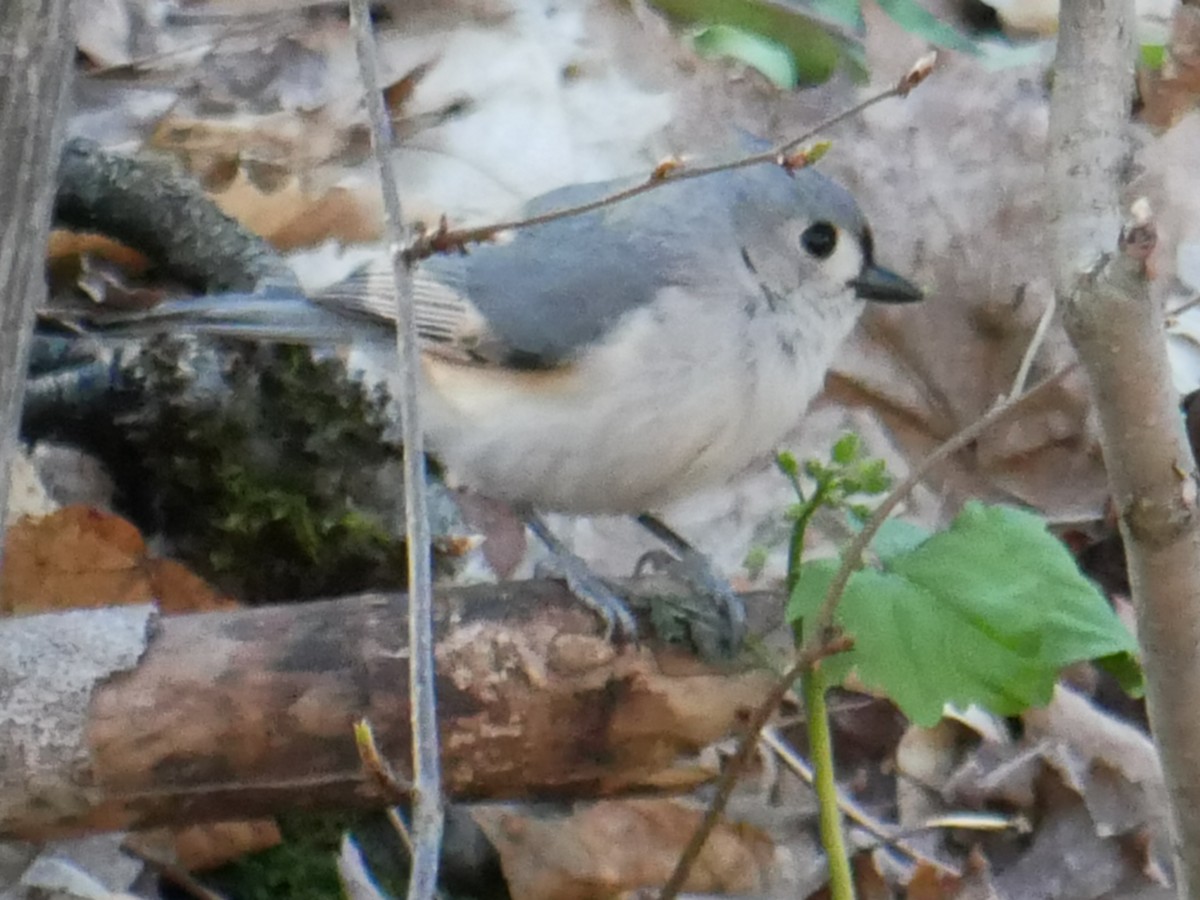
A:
[250, 317]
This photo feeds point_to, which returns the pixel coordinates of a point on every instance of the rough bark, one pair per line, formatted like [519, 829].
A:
[166, 216]
[36, 50]
[1102, 280]
[121, 719]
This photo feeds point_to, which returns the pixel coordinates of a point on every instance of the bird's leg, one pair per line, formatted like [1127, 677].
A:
[697, 570]
[585, 584]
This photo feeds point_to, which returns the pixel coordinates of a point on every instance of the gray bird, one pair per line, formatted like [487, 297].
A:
[614, 361]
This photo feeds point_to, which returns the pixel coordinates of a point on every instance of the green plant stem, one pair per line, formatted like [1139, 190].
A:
[799, 531]
[820, 742]
[820, 749]
[822, 641]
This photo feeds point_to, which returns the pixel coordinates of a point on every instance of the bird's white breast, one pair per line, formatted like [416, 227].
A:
[680, 397]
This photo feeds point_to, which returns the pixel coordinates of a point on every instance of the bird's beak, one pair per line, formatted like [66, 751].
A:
[878, 283]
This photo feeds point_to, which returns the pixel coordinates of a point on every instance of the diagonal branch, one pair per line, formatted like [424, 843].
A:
[788, 154]
[822, 639]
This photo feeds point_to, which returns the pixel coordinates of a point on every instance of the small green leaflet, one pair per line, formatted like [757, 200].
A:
[897, 536]
[815, 51]
[769, 57]
[988, 612]
[1153, 56]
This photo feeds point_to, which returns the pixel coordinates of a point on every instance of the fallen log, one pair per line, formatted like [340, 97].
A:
[122, 718]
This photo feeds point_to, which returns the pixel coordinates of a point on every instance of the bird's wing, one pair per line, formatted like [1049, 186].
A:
[534, 299]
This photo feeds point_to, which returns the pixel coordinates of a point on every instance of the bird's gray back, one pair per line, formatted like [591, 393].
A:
[547, 291]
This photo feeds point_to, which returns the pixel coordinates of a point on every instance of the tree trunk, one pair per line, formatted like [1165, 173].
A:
[1102, 279]
[37, 47]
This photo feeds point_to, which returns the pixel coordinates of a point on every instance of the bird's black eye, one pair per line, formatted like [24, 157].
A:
[819, 239]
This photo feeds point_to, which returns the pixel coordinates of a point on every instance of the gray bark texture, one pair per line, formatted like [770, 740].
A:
[37, 47]
[1102, 279]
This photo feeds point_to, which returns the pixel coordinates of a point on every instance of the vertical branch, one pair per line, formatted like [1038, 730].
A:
[37, 46]
[1089, 112]
[428, 812]
[1102, 284]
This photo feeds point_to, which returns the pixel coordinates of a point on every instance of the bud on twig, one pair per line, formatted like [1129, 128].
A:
[805, 157]
[1139, 235]
[666, 169]
[920, 70]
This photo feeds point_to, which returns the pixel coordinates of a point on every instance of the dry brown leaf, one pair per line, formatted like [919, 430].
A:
[66, 248]
[82, 557]
[1069, 857]
[177, 589]
[296, 143]
[1115, 763]
[926, 759]
[929, 883]
[869, 882]
[109, 285]
[207, 846]
[400, 91]
[1171, 92]
[932, 373]
[602, 850]
[296, 215]
[271, 173]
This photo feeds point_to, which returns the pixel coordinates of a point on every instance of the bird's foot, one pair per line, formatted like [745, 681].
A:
[590, 589]
[596, 594]
[717, 623]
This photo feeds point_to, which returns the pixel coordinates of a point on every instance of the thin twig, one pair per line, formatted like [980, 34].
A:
[1035, 344]
[887, 836]
[741, 757]
[822, 639]
[787, 155]
[393, 788]
[852, 557]
[970, 821]
[428, 816]
[1183, 307]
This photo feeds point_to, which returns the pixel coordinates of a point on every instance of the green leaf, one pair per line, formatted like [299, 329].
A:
[1126, 669]
[755, 561]
[786, 460]
[859, 513]
[875, 477]
[769, 57]
[847, 449]
[986, 612]
[897, 536]
[815, 50]
[1153, 56]
[916, 19]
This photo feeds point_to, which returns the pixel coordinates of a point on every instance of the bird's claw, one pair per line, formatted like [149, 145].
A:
[595, 593]
[717, 636]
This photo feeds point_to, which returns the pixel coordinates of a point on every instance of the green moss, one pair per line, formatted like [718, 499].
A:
[304, 866]
[272, 471]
